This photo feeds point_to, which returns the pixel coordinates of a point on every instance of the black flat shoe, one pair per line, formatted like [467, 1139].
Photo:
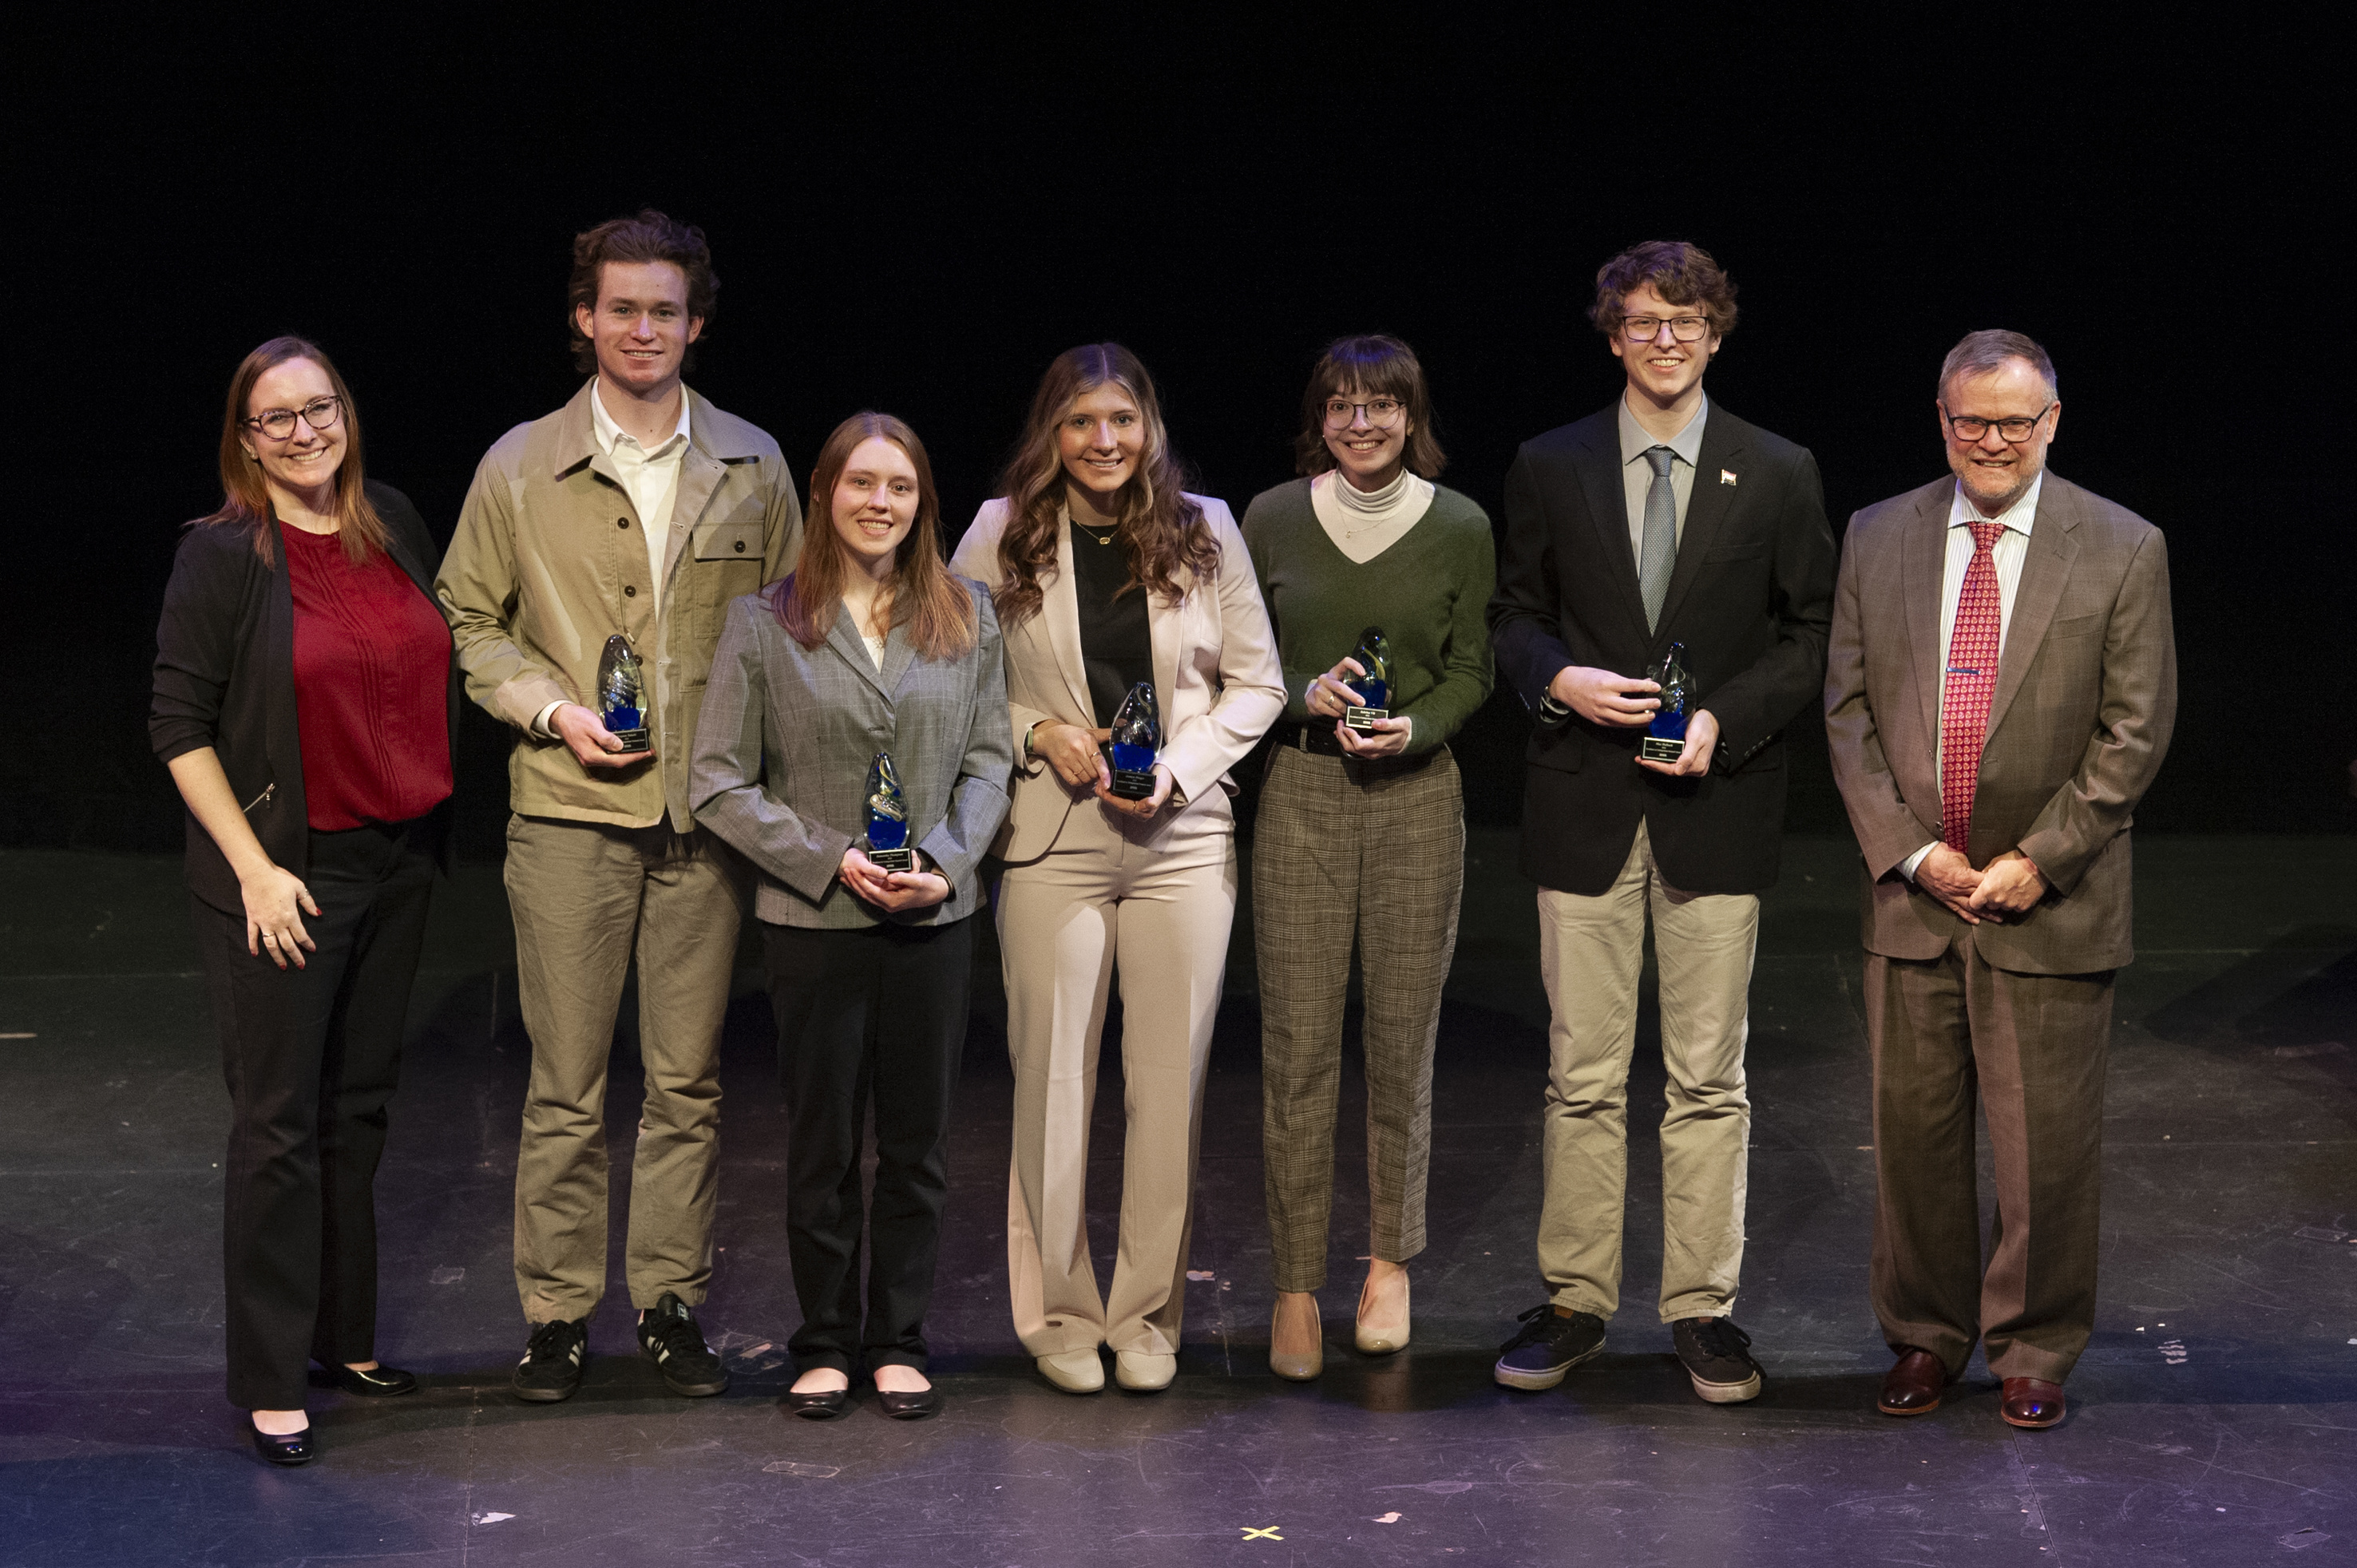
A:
[910, 1407]
[376, 1382]
[825, 1406]
[295, 1448]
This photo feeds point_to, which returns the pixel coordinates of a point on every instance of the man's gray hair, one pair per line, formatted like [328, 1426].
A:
[1981, 352]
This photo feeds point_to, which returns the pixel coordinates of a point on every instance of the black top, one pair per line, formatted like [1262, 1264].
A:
[1116, 648]
[225, 678]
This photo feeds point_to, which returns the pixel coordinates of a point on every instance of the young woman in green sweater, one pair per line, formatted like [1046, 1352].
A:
[1362, 829]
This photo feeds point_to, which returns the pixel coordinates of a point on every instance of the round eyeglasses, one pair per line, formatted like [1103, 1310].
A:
[279, 424]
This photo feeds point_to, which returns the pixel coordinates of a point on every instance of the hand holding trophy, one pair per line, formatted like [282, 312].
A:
[1137, 739]
[1665, 736]
[622, 695]
[888, 818]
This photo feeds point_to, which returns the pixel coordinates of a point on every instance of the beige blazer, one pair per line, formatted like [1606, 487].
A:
[2086, 697]
[1215, 673]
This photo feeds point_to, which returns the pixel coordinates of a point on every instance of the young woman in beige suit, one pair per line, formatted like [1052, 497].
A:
[1107, 573]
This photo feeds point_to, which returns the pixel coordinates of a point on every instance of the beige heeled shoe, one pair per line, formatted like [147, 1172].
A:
[1298, 1368]
[1074, 1372]
[1383, 1339]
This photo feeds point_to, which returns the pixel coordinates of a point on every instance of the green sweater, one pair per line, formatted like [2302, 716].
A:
[1429, 593]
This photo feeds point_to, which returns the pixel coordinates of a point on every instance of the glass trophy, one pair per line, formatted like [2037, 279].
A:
[1374, 656]
[1665, 737]
[622, 694]
[888, 818]
[1136, 736]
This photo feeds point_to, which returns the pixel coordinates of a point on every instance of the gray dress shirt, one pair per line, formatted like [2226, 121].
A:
[1637, 475]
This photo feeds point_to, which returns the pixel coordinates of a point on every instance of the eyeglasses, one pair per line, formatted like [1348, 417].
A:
[1685, 328]
[320, 414]
[1382, 412]
[1971, 428]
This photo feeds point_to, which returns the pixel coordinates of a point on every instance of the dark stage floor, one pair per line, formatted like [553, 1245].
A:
[2215, 1419]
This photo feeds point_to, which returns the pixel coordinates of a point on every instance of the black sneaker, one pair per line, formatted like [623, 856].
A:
[551, 1368]
[1718, 1359]
[1548, 1346]
[667, 1332]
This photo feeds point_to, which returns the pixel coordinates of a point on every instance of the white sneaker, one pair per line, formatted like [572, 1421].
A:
[1143, 1372]
[1074, 1372]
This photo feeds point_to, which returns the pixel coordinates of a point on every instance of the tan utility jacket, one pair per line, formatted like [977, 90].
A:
[549, 560]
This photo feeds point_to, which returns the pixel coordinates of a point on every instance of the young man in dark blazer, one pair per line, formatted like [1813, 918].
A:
[1662, 519]
[2001, 690]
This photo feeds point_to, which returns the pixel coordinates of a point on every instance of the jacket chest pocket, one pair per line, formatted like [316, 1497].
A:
[737, 541]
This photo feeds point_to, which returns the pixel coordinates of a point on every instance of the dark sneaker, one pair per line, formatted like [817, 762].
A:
[1548, 1346]
[667, 1332]
[551, 1368]
[1718, 1359]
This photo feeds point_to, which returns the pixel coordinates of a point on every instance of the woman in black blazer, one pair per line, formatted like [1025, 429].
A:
[304, 695]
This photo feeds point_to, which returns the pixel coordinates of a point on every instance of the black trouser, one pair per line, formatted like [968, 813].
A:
[881, 1011]
[310, 1056]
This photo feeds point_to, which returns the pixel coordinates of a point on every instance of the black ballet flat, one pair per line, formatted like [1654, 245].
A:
[295, 1448]
[376, 1382]
[822, 1406]
[910, 1407]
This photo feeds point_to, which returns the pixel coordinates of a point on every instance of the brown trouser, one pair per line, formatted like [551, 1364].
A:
[1591, 951]
[1156, 900]
[1342, 848]
[2033, 1047]
[586, 898]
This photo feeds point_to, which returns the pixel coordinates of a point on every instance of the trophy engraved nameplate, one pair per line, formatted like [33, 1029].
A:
[622, 694]
[1374, 656]
[1136, 737]
[1665, 737]
[888, 818]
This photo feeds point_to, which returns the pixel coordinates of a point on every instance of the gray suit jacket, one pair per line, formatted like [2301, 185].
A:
[787, 735]
[2086, 697]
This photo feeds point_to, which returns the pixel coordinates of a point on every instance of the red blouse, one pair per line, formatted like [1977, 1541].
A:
[371, 687]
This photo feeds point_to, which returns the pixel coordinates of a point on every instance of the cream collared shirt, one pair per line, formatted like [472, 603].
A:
[2006, 555]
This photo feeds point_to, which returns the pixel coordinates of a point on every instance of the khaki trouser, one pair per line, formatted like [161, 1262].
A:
[1591, 951]
[1157, 899]
[587, 898]
[2033, 1047]
[1343, 848]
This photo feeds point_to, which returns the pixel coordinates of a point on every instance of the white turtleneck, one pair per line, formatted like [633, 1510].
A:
[1364, 523]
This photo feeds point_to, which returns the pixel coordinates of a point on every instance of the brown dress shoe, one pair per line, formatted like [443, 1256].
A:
[1913, 1386]
[2031, 1402]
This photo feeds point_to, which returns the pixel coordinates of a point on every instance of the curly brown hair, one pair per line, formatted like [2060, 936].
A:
[1375, 365]
[1161, 528]
[1680, 272]
[651, 236]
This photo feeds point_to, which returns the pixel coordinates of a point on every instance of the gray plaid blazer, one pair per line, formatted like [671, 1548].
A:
[787, 732]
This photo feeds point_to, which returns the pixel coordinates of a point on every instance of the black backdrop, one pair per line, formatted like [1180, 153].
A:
[915, 214]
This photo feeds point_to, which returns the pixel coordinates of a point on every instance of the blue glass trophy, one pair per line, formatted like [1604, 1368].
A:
[622, 694]
[1665, 737]
[1136, 737]
[888, 818]
[1374, 656]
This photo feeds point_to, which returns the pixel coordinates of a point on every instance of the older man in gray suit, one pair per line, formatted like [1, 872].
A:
[2001, 688]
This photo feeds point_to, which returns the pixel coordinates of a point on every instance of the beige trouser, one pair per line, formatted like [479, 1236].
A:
[587, 898]
[1156, 900]
[1591, 951]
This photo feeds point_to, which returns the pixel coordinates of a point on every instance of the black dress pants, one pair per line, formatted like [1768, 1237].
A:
[878, 1015]
[310, 1056]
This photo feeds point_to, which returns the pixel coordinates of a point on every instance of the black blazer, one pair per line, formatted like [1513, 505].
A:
[1752, 597]
[225, 678]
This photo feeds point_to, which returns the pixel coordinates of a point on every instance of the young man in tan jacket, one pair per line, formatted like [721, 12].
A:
[637, 509]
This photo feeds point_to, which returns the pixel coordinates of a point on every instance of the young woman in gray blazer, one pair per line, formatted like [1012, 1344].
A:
[870, 647]
[1107, 575]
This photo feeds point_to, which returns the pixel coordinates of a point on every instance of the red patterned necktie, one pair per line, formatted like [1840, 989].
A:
[1970, 683]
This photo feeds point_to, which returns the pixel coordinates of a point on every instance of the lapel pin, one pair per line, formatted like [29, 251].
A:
[1726, 476]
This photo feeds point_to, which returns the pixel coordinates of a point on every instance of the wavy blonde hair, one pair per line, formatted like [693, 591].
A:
[1162, 531]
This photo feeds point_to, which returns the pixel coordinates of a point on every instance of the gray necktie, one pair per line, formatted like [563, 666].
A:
[1661, 551]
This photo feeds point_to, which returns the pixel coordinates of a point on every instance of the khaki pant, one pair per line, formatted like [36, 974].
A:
[1345, 849]
[1158, 900]
[1591, 951]
[586, 898]
[2032, 1047]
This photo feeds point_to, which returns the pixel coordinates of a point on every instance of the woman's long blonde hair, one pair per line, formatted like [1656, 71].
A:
[245, 499]
[1162, 531]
